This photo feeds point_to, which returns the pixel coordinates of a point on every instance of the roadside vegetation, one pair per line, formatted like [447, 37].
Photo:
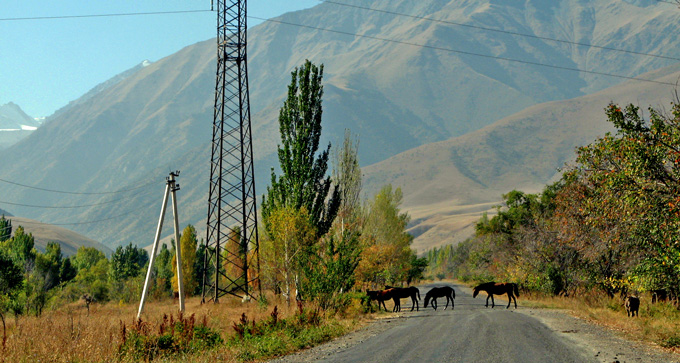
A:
[606, 230]
[319, 244]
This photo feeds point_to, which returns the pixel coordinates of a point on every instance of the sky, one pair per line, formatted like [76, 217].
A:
[45, 63]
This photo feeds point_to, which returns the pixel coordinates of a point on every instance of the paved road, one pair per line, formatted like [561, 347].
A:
[470, 333]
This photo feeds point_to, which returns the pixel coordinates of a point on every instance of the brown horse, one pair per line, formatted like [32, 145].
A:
[493, 288]
[399, 293]
[436, 292]
[380, 296]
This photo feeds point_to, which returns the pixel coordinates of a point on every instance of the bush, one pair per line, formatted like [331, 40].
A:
[174, 337]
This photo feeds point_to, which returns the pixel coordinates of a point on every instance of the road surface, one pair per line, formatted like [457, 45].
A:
[473, 333]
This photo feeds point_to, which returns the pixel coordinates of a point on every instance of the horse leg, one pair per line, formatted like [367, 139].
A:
[434, 303]
[487, 301]
[492, 302]
[515, 300]
[415, 303]
[509, 299]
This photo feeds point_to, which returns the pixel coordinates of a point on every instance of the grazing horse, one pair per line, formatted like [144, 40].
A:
[493, 288]
[443, 291]
[399, 293]
[380, 296]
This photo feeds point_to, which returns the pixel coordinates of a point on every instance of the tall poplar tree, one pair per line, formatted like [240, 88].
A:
[303, 182]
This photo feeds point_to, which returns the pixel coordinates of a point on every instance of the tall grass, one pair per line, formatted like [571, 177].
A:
[70, 334]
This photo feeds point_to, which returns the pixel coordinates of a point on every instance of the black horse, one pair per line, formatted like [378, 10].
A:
[444, 291]
[494, 288]
[399, 293]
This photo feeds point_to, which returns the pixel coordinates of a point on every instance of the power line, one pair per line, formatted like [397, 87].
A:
[76, 193]
[463, 52]
[74, 206]
[103, 15]
[81, 223]
[499, 30]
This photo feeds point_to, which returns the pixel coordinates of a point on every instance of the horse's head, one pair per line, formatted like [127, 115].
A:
[475, 293]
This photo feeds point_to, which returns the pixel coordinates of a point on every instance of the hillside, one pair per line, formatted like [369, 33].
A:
[70, 241]
[447, 185]
[396, 96]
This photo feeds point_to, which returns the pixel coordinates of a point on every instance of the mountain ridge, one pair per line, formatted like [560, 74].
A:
[395, 96]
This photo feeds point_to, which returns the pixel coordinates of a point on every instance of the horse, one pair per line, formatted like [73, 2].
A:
[493, 288]
[399, 293]
[632, 304]
[437, 292]
[380, 296]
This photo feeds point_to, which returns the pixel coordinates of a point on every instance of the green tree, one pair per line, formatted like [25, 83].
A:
[86, 257]
[20, 247]
[329, 269]
[5, 228]
[48, 265]
[127, 262]
[303, 182]
[347, 176]
[11, 278]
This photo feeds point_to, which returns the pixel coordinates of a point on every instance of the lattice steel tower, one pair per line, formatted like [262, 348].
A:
[232, 239]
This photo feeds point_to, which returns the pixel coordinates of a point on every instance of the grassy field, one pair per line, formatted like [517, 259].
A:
[110, 332]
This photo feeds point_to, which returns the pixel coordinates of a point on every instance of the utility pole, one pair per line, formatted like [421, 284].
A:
[232, 239]
[170, 187]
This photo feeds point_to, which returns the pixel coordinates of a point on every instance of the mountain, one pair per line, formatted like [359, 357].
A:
[15, 124]
[448, 184]
[403, 82]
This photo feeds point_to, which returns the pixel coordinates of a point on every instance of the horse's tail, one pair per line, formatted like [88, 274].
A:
[514, 287]
[453, 293]
[418, 293]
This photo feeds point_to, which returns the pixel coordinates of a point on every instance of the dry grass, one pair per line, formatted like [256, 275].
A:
[69, 334]
[657, 324]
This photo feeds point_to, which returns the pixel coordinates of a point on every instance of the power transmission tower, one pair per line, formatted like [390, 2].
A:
[232, 239]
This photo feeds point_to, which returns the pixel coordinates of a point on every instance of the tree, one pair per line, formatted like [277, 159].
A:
[11, 277]
[127, 262]
[5, 228]
[303, 182]
[86, 257]
[386, 253]
[290, 233]
[48, 265]
[20, 247]
[188, 244]
[347, 176]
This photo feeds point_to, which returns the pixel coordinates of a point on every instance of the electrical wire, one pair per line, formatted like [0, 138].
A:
[498, 30]
[75, 193]
[75, 206]
[86, 222]
[462, 52]
[103, 15]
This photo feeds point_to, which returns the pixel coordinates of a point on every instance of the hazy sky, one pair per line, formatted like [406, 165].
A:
[46, 63]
